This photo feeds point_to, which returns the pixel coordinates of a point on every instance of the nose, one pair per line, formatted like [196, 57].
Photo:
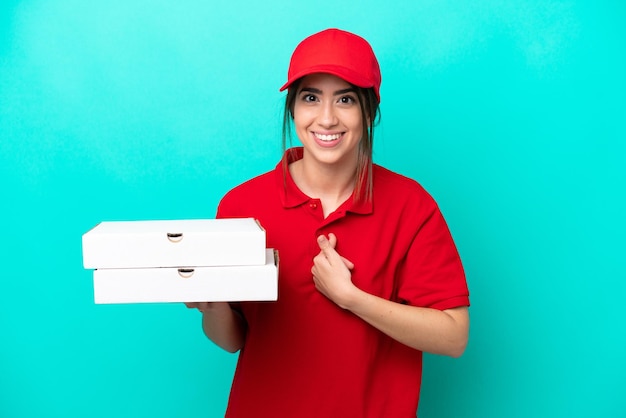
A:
[327, 116]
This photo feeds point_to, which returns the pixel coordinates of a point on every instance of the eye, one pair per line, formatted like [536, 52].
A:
[308, 98]
[347, 100]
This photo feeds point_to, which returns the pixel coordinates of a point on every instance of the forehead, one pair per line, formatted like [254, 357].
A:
[324, 81]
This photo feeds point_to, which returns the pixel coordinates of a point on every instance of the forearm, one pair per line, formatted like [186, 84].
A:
[224, 326]
[430, 330]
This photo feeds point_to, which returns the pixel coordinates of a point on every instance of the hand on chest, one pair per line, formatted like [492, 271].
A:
[374, 250]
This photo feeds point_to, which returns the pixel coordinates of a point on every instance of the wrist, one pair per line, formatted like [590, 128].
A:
[353, 299]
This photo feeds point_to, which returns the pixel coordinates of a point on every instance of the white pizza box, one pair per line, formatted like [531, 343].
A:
[174, 243]
[193, 284]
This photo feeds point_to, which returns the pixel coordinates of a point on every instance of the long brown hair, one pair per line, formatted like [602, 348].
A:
[370, 115]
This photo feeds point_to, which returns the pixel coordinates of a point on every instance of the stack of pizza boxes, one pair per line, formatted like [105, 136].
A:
[207, 260]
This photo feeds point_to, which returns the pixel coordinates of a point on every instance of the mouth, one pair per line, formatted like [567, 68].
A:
[327, 137]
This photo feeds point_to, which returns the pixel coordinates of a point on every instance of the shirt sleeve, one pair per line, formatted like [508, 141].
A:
[432, 274]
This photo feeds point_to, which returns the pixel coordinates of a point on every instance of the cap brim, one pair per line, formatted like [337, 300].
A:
[341, 72]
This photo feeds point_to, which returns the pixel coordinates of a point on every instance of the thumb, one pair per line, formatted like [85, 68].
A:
[322, 241]
[331, 243]
[332, 240]
[327, 243]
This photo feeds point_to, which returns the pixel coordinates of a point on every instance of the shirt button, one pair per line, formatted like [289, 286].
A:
[313, 205]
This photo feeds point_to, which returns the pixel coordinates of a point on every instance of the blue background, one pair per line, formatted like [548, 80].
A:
[512, 114]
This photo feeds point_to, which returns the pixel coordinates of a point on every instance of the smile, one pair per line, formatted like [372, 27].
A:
[327, 138]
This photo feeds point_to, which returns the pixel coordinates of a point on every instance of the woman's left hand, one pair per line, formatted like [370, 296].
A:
[331, 272]
[425, 329]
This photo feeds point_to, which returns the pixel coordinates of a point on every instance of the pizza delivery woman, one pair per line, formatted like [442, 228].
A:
[369, 274]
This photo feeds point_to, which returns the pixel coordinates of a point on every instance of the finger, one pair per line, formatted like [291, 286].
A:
[332, 240]
[323, 242]
[327, 251]
[348, 263]
[327, 246]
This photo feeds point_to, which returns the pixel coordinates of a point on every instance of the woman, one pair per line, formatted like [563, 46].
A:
[369, 275]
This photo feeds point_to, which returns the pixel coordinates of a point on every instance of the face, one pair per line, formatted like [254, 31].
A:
[327, 119]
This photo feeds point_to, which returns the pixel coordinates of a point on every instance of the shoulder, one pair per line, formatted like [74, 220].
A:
[391, 186]
[255, 184]
[240, 197]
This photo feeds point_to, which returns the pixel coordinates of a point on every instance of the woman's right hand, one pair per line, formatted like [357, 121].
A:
[207, 306]
[221, 324]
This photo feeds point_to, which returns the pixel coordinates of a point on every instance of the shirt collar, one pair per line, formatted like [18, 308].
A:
[291, 196]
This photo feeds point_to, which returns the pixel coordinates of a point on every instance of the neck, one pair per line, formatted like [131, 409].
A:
[332, 184]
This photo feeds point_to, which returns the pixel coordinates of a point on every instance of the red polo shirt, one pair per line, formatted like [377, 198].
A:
[303, 355]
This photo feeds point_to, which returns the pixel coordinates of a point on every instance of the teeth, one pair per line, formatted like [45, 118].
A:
[327, 137]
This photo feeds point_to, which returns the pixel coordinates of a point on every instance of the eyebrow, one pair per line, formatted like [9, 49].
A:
[337, 93]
